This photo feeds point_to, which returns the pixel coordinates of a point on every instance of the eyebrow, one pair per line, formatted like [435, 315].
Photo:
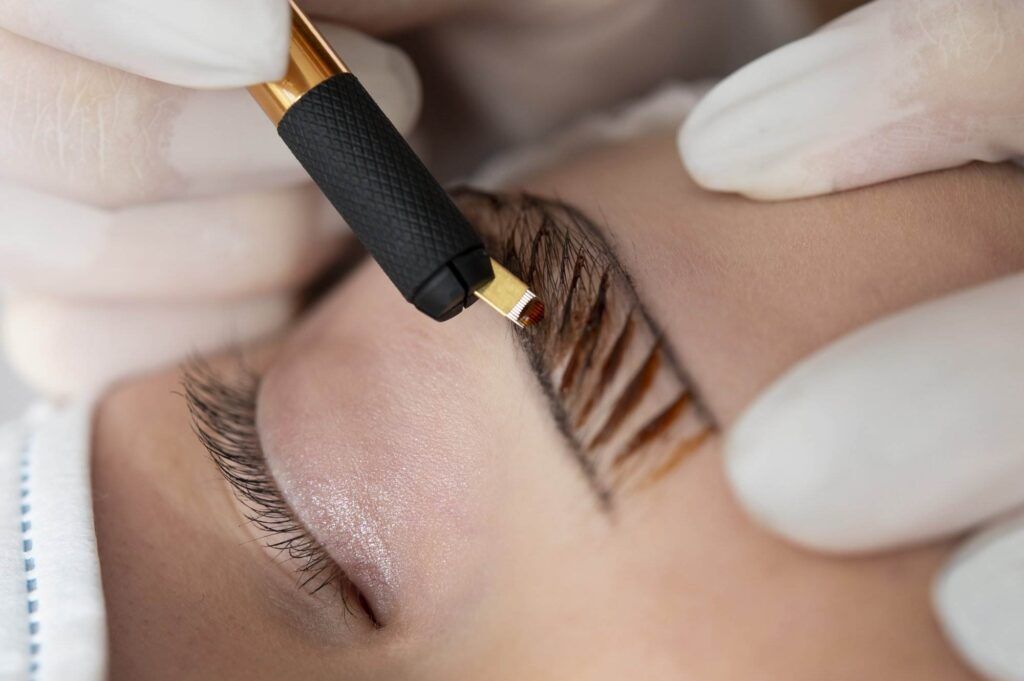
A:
[570, 271]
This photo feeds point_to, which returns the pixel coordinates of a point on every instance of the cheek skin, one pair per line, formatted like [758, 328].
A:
[377, 426]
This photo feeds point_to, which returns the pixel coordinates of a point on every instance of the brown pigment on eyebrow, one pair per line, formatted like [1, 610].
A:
[680, 453]
[655, 427]
[630, 397]
[548, 240]
[608, 370]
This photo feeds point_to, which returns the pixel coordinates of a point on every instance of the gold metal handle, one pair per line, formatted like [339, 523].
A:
[311, 61]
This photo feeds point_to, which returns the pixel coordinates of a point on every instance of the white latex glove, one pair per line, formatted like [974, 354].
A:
[502, 72]
[894, 88]
[912, 428]
[141, 220]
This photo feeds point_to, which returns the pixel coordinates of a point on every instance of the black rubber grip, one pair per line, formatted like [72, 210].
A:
[394, 205]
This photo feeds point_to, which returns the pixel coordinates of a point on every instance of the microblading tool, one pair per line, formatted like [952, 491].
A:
[396, 208]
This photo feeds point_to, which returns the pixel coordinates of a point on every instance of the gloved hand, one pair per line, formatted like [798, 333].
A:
[509, 71]
[142, 220]
[913, 427]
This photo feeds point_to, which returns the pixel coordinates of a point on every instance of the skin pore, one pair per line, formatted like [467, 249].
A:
[426, 461]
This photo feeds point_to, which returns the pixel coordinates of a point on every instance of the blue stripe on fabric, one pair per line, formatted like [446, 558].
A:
[32, 602]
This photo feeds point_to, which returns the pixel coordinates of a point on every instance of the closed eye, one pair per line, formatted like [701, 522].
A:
[222, 406]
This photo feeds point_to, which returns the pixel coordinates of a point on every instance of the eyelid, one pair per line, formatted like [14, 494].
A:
[222, 406]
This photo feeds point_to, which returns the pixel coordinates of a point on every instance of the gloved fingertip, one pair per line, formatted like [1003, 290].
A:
[190, 43]
[867, 99]
[387, 72]
[739, 153]
[979, 599]
[408, 92]
[864, 446]
[770, 130]
[780, 475]
[234, 46]
[698, 152]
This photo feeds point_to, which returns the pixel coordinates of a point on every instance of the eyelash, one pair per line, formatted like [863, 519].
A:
[222, 407]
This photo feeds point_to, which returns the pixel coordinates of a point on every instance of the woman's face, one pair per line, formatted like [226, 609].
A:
[481, 502]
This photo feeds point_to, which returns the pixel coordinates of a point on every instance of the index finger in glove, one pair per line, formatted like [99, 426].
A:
[88, 132]
[906, 430]
[895, 88]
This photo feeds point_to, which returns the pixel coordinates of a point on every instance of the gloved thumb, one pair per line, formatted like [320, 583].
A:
[895, 88]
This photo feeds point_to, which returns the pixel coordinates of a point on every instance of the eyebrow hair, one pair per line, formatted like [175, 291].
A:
[581, 269]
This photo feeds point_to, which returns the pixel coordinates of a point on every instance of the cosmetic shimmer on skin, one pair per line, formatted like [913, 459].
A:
[388, 481]
[377, 492]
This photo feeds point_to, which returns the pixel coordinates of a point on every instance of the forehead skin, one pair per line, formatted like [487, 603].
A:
[744, 289]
